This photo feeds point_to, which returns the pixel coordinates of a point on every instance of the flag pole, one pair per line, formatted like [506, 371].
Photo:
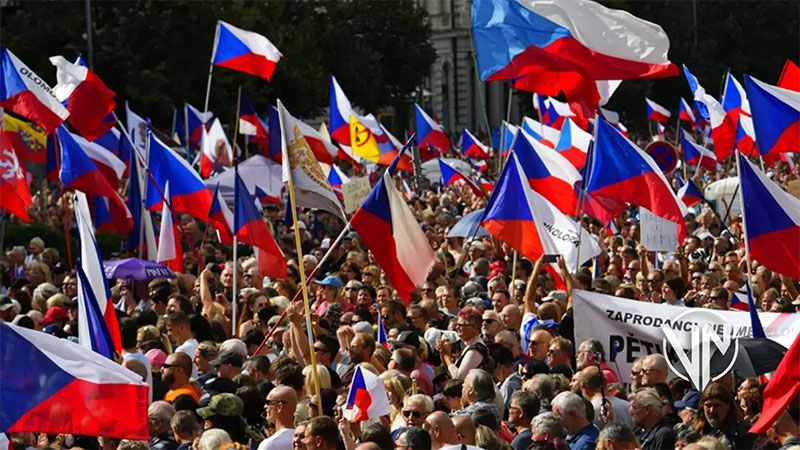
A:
[304, 286]
[236, 125]
[211, 68]
[65, 218]
[587, 172]
[235, 298]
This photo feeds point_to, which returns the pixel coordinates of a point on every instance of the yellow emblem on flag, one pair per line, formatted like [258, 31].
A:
[363, 141]
[32, 136]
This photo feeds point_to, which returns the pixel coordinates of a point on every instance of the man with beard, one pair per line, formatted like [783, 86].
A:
[175, 373]
[717, 417]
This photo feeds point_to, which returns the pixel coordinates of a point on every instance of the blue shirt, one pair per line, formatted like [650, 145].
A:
[584, 439]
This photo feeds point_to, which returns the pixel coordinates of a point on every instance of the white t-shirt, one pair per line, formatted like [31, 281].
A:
[281, 440]
[142, 359]
[460, 447]
[188, 347]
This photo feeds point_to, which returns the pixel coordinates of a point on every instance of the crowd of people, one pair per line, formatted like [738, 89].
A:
[484, 356]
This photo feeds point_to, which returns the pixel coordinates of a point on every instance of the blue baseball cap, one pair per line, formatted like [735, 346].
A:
[330, 280]
[691, 400]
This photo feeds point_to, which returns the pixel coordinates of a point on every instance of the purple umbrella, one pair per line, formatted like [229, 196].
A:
[136, 269]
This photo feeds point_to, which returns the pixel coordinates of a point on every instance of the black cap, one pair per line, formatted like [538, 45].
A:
[228, 357]
[220, 385]
[406, 338]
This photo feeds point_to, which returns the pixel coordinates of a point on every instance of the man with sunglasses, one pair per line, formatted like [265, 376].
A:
[280, 405]
[416, 409]
[175, 373]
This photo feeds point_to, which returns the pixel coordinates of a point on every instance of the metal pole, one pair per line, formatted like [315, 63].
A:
[211, 69]
[89, 44]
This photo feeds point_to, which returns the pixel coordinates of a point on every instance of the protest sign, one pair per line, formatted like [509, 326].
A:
[354, 193]
[658, 235]
[629, 329]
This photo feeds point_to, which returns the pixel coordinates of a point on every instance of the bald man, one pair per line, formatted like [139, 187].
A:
[443, 432]
[280, 406]
[539, 344]
[465, 428]
[175, 374]
[654, 370]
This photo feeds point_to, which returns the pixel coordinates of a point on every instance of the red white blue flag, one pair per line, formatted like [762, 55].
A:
[244, 51]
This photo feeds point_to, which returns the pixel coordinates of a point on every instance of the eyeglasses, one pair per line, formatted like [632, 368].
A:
[646, 371]
[274, 402]
[653, 281]
[535, 343]
[408, 413]
[463, 325]
[168, 366]
[349, 288]
[321, 350]
[635, 373]
[489, 321]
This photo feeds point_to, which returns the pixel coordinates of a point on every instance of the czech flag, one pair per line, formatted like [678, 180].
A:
[112, 168]
[689, 193]
[15, 194]
[25, 93]
[573, 144]
[170, 252]
[430, 135]
[507, 135]
[88, 100]
[739, 301]
[244, 51]
[52, 385]
[367, 397]
[252, 125]
[548, 172]
[195, 124]
[696, 154]
[217, 152]
[78, 171]
[686, 114]
[249, 227]
[517, 38]
[451, 176]
[723, 130]
[735, 104]
[221, 218]
[622, 172]
[545, 134]
[141, 239]
[776, 116]
[337, 178]
[529, 223]
[340, 112]
[781, 389]
[97, 320]
[52, 165]
[656, 112]
[187, 191]
[772, 221]
[389, 229]
[472, 147]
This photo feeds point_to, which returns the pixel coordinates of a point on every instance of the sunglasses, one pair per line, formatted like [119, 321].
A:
[321, 350]
[463, 325]
[408, 413]
[274, 402]
[653, 281]
[168, 366]
[489, 321]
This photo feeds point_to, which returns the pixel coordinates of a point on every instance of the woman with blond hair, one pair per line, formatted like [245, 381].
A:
[396, 385]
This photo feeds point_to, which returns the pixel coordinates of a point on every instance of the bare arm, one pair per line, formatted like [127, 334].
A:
[298, 336]
[570, 282]
[530, 290]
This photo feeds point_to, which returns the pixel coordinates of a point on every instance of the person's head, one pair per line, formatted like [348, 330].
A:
[441, 429]
[326, 348]
[718, 408]
[416, 317]
[159, 415]
[590, 381]
[413, 438]
[185, 426]
[405, 360]
[229, 363]
[590, 352]
[258, 367]
[654, 370]
[617, 436]
[523, 408]
[500, 298]
[559, 352]
[655, 279]
[179, 303]
[178, 327]
[491, 324]
[720, 297]
[205, 352]
[447, 298]
[416, 409]
[213, 439]
[280, 406]
[321, 433]
[547, 426]
[478, 386]
[362, 346]
[176, 370]
[539, 344]
[468, 323]
[572, 410]
[646, 408]
[512, 316]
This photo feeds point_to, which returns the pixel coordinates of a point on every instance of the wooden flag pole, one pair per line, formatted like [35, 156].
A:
[306, 301]
[211, 68]
[236, 125]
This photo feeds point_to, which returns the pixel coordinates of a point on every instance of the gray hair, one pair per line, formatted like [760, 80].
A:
[619, 433]
[649, 397]
[482, 383]
[42, 293]
[549, 423]
[213, 439]
[422, 399]
[161, 412]
[595, 346]
[570, 402]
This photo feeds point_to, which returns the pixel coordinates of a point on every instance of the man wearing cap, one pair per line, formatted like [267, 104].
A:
[280, 406]
[175, 374]
[6, 309]
[229, 364]
[687, 409]
[225, 411]
[55, 315]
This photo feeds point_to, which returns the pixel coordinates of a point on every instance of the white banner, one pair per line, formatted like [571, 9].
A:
[658, 235]
[354, 193]
[629, 329]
